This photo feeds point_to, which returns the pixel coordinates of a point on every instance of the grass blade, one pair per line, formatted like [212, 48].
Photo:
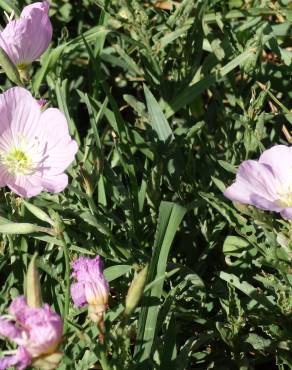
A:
[169, 219]
[156, 117]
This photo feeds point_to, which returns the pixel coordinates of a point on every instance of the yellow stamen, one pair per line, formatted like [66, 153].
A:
[17, 162]
[285, 196]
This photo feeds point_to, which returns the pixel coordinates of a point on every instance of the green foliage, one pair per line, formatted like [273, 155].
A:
[165, 100]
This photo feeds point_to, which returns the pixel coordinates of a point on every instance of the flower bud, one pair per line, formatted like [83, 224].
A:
[20, 228]
[33, 288]
[26, 39]
[86, 182]
[135, 291]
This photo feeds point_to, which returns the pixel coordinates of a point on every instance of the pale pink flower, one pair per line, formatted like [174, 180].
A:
[37, 332]
[21, 360]
[25, 39]
[35, 145]
[91, 287]
[265, 183]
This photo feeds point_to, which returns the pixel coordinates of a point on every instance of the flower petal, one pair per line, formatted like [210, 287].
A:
[29, 10]
[41, 328]
[25, 39]
[53, 184]
[61, 148]
[252, 179]
[279, 158]
[78, 294]
[18, 308]
[20, 114]
[21, 360]
[9, 330]
[263, 203]
[287, 213]
[44, 330]
[24, 186]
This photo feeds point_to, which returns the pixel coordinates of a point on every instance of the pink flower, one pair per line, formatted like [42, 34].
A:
[21, 360]
[37, 331]
[90, 288]
[42, 102]
[25, 39]
[266, 183]
[35, 145]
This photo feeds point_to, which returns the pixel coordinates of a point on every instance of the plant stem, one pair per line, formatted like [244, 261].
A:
[67, 283]
[103, 359]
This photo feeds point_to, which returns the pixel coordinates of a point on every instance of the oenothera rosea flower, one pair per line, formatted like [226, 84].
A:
[265, 183]
[25, 39]
[91, 287]
[36, 331]
[35, 145]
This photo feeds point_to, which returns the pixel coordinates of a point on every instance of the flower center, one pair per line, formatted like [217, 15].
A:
[17, 162]
[285, 196]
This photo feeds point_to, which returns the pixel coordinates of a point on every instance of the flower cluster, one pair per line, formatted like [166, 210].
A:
[266, 183]
[37, 332]
[35, 145]
[35, 150]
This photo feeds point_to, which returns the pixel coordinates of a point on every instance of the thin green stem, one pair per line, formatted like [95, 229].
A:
[67, 283]
[102, 335]
[103, 359]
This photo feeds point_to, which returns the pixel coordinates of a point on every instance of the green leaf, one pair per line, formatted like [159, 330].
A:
[227, 166]
[9, 68]
[9, 6]
[156, 117]
[37, 212]
[51, 57]
[93, 221]
[259, 343]
[249, 290]
[234, 245]
[188, 95]
[114, 272]
[169, 219]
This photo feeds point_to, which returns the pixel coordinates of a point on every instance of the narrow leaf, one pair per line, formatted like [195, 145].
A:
[9, 68]
[156, 117]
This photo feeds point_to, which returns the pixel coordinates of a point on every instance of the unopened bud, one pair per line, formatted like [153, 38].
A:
[33, 288]
[47, 362]
[21, 228]
[135, 291]
[86, 182]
